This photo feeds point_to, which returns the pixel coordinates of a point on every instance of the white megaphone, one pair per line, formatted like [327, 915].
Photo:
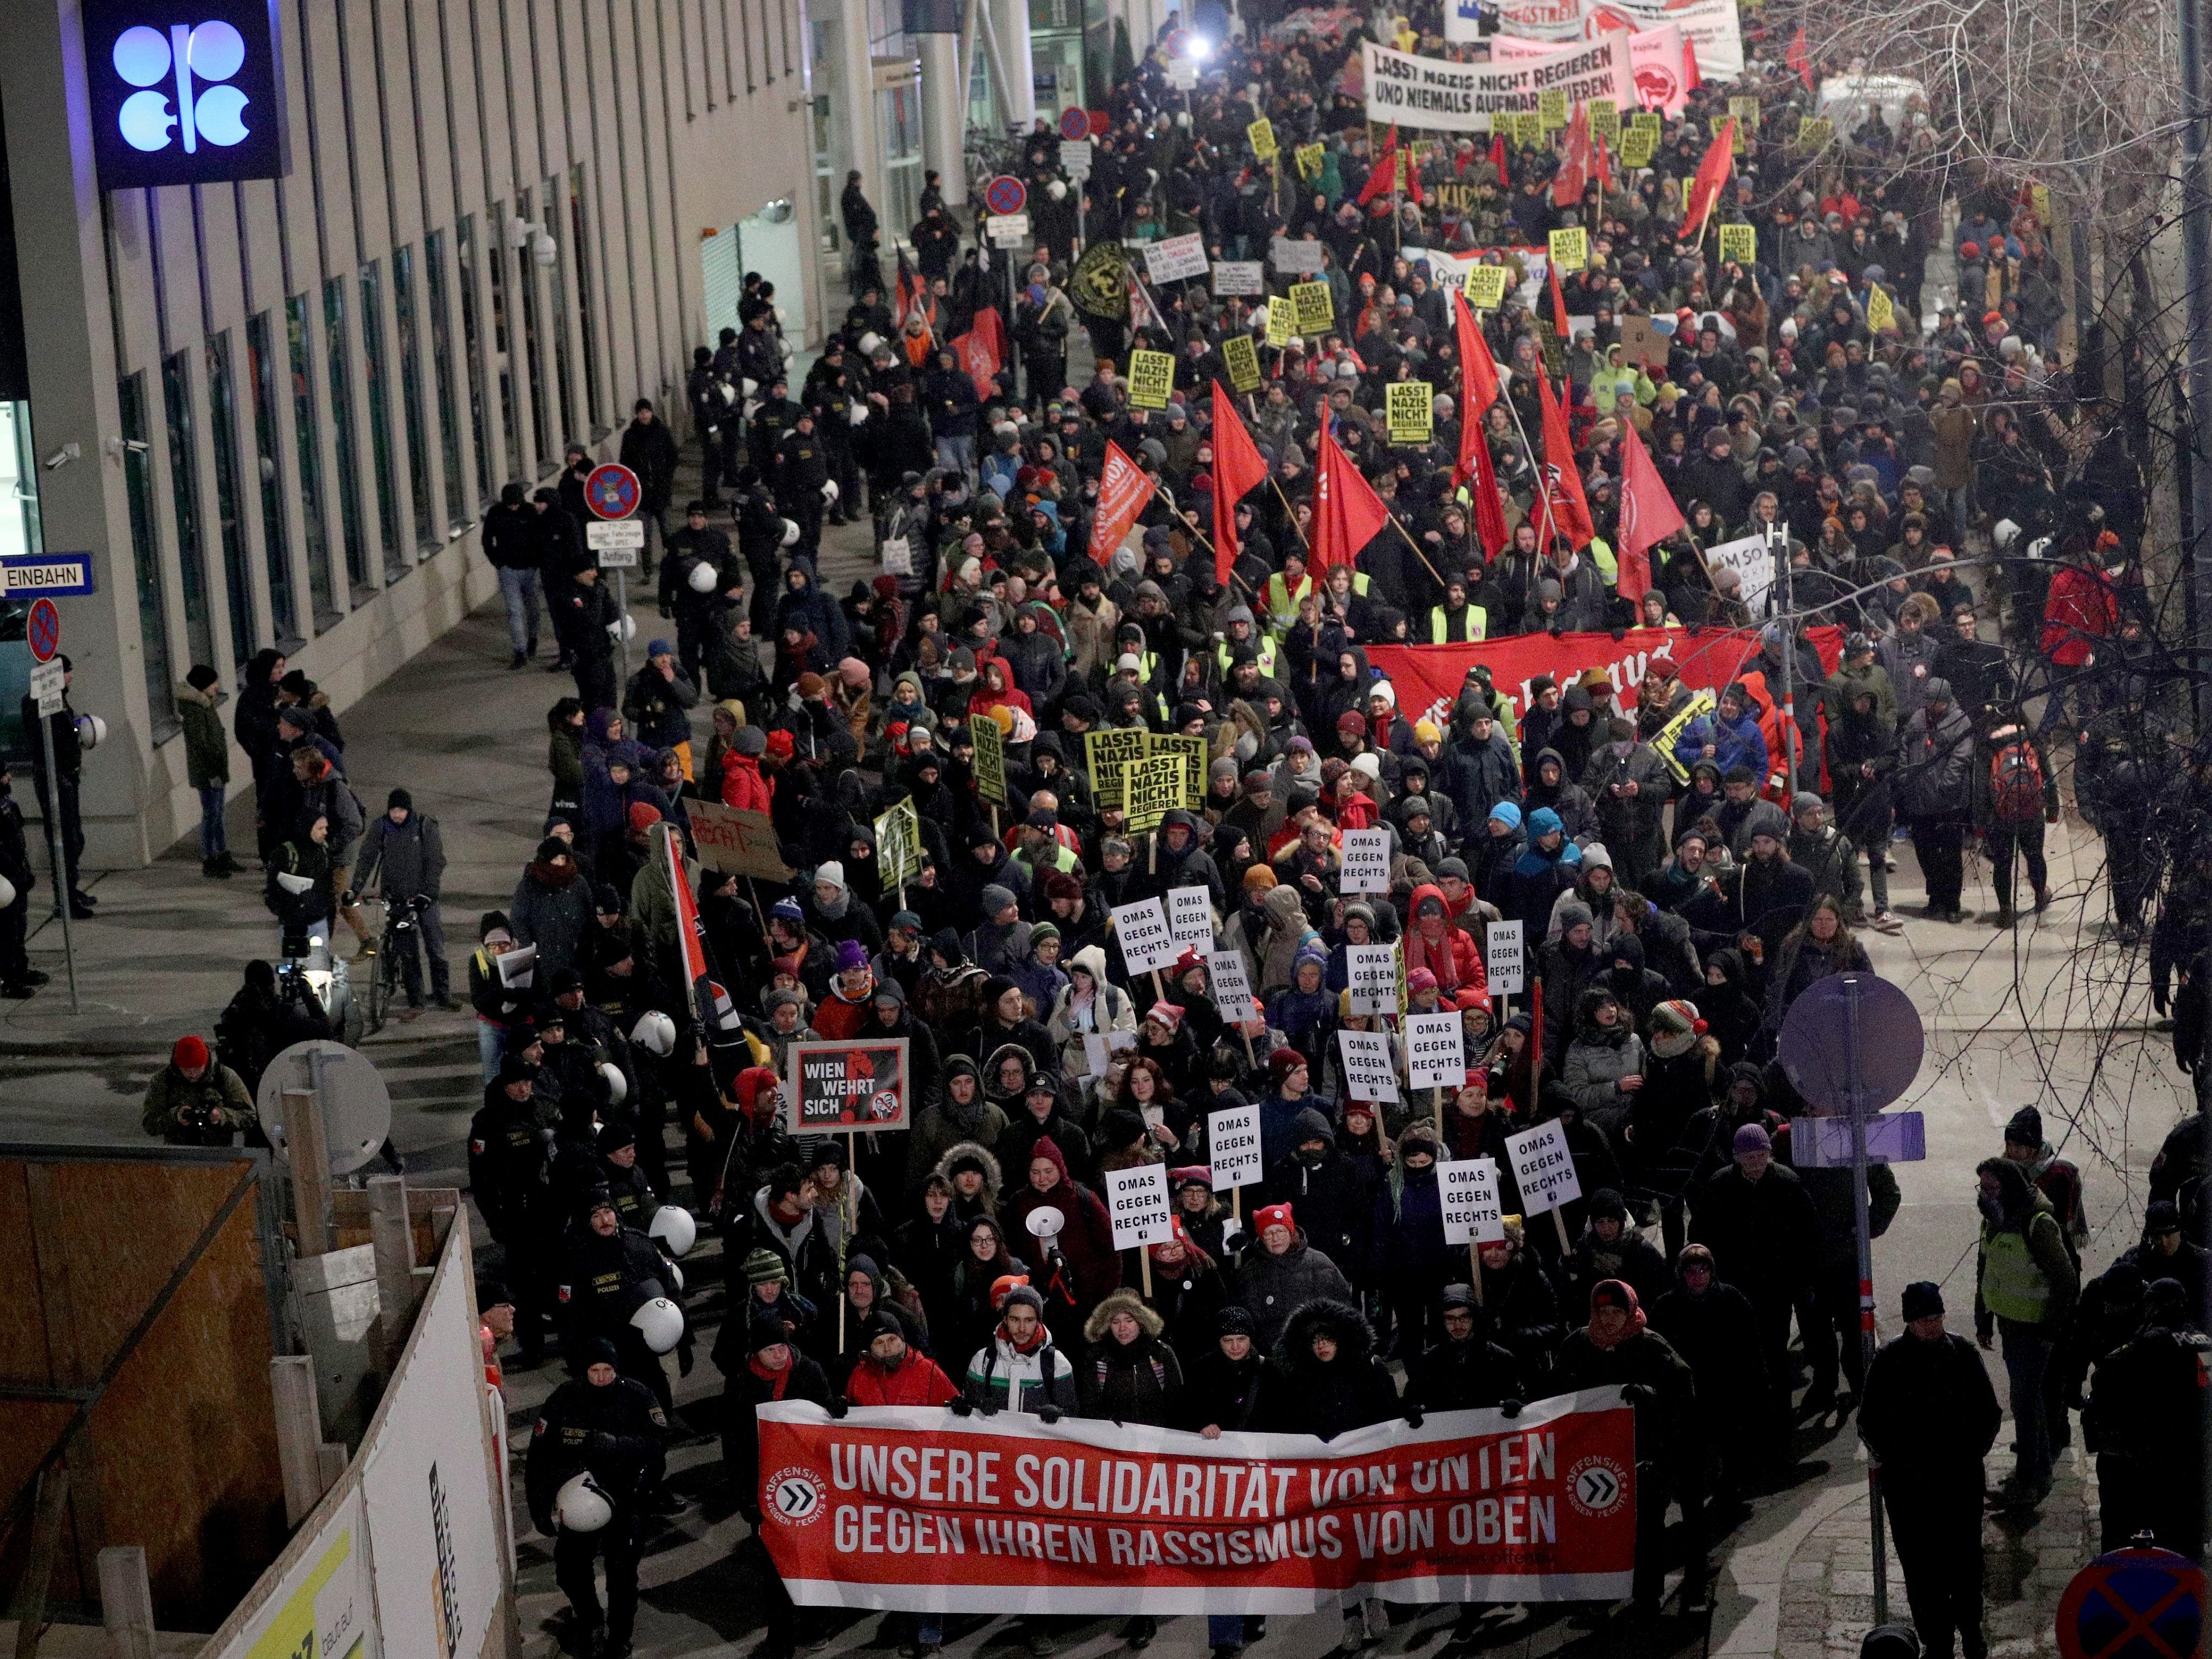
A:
[1045, 1224]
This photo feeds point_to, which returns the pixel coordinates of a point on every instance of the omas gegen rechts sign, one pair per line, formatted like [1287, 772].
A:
[184, 92]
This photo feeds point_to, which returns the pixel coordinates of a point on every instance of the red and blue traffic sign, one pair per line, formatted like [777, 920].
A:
[1006, 194]
[1074, 125]
[42, 630]
[2133, 1604]
[611, 490]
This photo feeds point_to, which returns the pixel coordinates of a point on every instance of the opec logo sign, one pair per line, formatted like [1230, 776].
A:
[184, 92]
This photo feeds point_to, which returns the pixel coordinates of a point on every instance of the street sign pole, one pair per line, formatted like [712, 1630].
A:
[62, 899]
[1855, 1086]
[42, 633]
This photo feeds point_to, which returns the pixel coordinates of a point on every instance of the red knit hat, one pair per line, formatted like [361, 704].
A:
[190, 1053]
[1275, 1215]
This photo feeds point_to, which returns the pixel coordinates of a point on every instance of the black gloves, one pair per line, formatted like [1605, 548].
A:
[1048, 1413]
[1636, 1394]
[838, 1406]
[1412, 1417]
[961, 1406]
[1509, 1408]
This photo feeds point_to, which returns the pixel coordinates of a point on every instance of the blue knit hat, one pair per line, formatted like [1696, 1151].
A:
[1544, 822]
[659, 648]
[1507, 813]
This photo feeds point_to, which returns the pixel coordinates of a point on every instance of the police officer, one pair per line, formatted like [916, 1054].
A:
[627, 1188]
[802, 467]
[608, 1271]
[832, 388]
[507, 1152]
[603, 1425]
[69, 766]
[2146, 1413]
[759, 540]
[582, 613]
[770, 421]
[1929, 1419]
[2116, 764]
[701, 613]
[703, 390]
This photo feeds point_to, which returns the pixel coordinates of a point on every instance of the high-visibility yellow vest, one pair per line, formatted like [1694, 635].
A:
[1283, 601]
[1477, 625]
[1263, 646]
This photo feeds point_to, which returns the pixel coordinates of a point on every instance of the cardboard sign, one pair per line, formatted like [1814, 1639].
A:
[1543, 1168]
[1192, 752]
[1409, 408]
[1366, 862]
[1468, 1189]
[1315, 308]
[1746, 110]
[741, 843]
[1569, 249]
[1261, 134]
[1146, 943]
[1753, 560]
[1244, 277]
[848, 1085]
[1502, 958]
[1367, 1072]
[1371, 972]
[1150, 790]
[1151, 379]
[1232, 1146]
[1175, 258]
[1636, 147]
[1108, 754]
[1190, 917]
[1230, 978]
[898, 845]
[1815, 133]
[1241, 358]
[1309, 159]
[1435, 1051]
[1486, 286]
[1605, 119]
[1137, 1200]
[990, 763]
[1642, 345]
[1282, 323]
[1740, 243]
[1296, 255]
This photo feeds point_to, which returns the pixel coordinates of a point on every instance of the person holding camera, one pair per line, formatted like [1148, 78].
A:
[404, 849]
[197, 1101]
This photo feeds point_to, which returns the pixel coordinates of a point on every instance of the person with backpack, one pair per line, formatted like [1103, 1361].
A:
[2015, 794]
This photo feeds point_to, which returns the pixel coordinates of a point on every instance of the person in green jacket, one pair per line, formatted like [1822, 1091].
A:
[2025, 1285]
[197, 1101]
[207, 765]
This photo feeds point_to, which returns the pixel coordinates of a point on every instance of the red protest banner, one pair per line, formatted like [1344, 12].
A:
[916, 1511]
[1124, 490]
[1429, 678]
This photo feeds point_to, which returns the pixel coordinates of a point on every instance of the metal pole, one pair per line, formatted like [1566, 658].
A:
[621, 629]
[1855, 1090]
[63, 897]
[1786, 618]
[2196, 273]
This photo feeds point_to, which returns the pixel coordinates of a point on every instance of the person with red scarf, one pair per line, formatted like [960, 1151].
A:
[893, 1373]
[773, 1369]
[1616, 1350]
[1449, 953]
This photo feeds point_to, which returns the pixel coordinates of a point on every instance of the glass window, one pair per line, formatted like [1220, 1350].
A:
[308, 436]
[410, 396]
[898, 114]
[185, 494]
[379, 421]
[502, 346]
[276, 534]
[533, 337]
[441, 366]
[338, 362]
[19, 481]
[557, 320]
[581, 244]
[146, 557]
[237, 578]
[465, 246]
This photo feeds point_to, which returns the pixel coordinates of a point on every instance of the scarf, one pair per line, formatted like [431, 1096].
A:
[777, 1381]
[1037, 1339]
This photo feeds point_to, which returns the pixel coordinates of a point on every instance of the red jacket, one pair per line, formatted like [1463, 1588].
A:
[2080, 611]
[1454, 959]
[743, 785]
[919, 1381]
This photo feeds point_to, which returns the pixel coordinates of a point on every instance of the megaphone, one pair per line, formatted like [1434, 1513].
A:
[1045, 1224]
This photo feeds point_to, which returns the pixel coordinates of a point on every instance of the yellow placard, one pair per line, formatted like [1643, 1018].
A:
[1486, 286]
[1552, 106]
[1261, 134]
[1308, 160]
[898, 845]
[1636, 147]
[1746, 110]
[1881, 314]
[1571, 249]
[1647, 120]
[990, 763]
[1191, 751]
[1108, 755]
[2038, 197]
[1740, 243]
[1241, 358]
[1409, 410]
[1316, 309]
[1151, 789]
[1151, 379]
[1605, 118]
[1282, 321]
[1815, 133]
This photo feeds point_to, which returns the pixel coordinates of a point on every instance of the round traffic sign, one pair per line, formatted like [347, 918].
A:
[1815, 1045]
[1006, 194]
[2133, 1604]
[42, 630]
[1178, 43]
[611, 490]
[356, 1105]
[1074, 125]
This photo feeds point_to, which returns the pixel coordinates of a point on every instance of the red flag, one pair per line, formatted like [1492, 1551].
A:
[1386, 169]
[1124, 490]
[1498, 156]
[1413, 176]
[1573, 175]
[1648, 515]
[1237, 468]
[982, 351]
[1691, 80]
[1713, 174]
[1604, 163]
[710, 1004]
[1560, 323]
[1799, 57]
[1478, 391]
[1563, 479]
[1347, 513]
[907, 292]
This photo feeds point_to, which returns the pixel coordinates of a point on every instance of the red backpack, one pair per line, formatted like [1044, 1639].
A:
[2016, 783]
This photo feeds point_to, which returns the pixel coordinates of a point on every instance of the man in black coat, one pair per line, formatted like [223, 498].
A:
[1713, 1327]
[1929, 1417]
[2147, 1416]
[648, 449]
[1464, 1371]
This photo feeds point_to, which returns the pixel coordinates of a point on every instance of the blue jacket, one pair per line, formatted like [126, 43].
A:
[1740, 744]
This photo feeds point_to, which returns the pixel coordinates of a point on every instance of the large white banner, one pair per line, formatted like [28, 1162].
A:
[1535, 20]
[1654, 58]
[1712, 25]
[1437, 96]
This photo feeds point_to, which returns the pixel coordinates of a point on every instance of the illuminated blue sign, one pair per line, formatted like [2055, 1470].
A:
[184, 92]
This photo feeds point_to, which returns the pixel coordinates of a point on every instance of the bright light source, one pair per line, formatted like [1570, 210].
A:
[1200, 47]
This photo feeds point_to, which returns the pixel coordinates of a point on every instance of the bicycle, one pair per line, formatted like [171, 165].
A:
[402, 924]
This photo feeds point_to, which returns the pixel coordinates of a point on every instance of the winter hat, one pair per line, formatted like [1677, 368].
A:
[831, 871]
[1507, 813]
[1607, 1205]
[1805, 803]
[1574, 914]
[491, 922]
[1675, 1029]
[1258, 878]
[764, 1267]
[997, 898]
[852, 956]
[787, 909]
[1235, 1321]
[1458, 1296]
[811, 684]
[659, 648]
[1351, 721]
[1311, 1124]
[2025, 1128]
[1167, 1013]
[1751, 1138]
[643, 815]
[1923, 1299]
[1542, 822]
[613, 1137]
[190, 1053]
[1421, 979]
[1282, 1063]
[2163, 1216]
[398, 798]
[1023, 1295]
[1765, 819]
[882, 1322]
[1275, 1215]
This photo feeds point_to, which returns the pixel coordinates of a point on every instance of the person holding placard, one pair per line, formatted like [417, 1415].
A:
[1407, 1253]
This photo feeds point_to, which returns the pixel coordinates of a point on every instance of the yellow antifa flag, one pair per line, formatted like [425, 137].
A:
[1100, 284]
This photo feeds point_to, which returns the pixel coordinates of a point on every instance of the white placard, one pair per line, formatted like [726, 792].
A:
[1096, 1054]
[1182, 74]
[1146, 942]
[49, 686]
[1371, 972]
[1294, 257]
[1436, 1052]
[1239, 276]
[1232, 1146]
[1008, 229]
[1366, 862]
[1230, 978]
[1137, 1200]
[1190, 917]
[1468, 1188]
[518, 968]
[1075, 158]
[1501, 957]
[1367, 1073]
[898, 556]
[1751, 559]
[1543, 1168]
[1175, 258]
[603, 535]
